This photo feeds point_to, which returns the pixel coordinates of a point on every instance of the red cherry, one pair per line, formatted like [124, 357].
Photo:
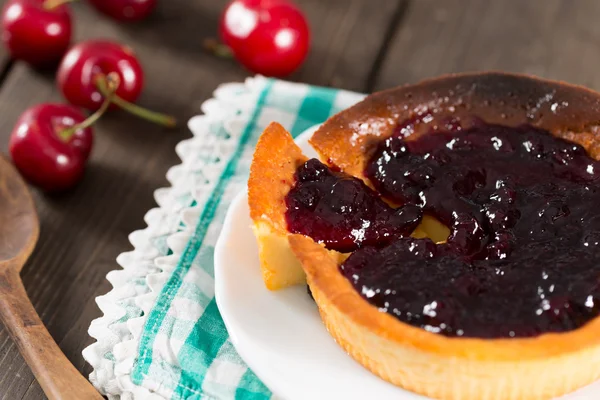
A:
[82, 78]
[125, 10]
[85, 62]
[39, 152]
[36, 31]
[269, 37]
[51, 142]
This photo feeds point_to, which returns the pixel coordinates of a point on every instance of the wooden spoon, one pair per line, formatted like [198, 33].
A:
[19, 231]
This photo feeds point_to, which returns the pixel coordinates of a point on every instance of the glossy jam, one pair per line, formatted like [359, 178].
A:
[342, 212]
[523, 256]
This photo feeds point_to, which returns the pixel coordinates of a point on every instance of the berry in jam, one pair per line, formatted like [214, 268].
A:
[342, 212]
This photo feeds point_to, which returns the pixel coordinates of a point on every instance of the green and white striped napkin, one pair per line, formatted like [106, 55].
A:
[161, 335]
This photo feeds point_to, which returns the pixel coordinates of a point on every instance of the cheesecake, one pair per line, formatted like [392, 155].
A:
[448, 233]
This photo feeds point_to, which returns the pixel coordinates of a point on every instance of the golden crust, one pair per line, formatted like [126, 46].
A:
[443, 367]
[348, 139]
[275, 162]
[271, 176]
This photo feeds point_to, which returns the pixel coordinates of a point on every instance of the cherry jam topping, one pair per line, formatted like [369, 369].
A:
[523, 256]
[342, 212]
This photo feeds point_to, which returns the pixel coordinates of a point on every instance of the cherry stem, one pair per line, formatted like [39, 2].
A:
[50, 5]
[217, 48]
[152, 116]
[112, 81]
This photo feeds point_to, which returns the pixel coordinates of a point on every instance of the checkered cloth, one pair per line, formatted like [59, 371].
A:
[161, 335]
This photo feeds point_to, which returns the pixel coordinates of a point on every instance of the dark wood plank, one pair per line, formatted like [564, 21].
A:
[4, 56]
[554, 39]
[84, 230]
[347, 36]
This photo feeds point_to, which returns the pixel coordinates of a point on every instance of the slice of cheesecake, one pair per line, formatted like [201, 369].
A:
[272, 175]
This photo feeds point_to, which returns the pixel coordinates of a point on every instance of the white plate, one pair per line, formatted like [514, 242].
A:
[280, 335]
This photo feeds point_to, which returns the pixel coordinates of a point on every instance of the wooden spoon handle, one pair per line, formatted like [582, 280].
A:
[55, 373]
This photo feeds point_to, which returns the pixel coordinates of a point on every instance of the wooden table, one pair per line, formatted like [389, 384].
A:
[361, 45]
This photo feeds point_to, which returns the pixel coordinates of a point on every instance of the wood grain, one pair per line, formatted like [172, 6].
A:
[83, 231]
[59, 379]
[347, 37]
[19, 232]
[555, 39]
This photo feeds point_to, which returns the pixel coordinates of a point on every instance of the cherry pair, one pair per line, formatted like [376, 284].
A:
[51, 142]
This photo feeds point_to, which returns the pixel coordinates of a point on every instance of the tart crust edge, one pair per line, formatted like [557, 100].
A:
[274, 164]
[441, 367]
